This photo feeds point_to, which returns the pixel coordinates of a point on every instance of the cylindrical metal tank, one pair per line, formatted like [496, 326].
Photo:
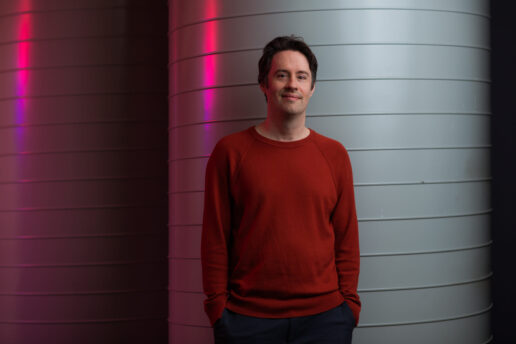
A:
[83, 171]
[404, 85]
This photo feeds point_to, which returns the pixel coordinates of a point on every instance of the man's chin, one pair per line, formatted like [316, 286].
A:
[290, 112]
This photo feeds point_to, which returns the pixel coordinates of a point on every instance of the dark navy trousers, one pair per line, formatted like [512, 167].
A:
[334, 326]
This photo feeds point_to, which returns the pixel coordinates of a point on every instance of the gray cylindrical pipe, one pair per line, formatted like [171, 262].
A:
[404, 86]
[83, 173]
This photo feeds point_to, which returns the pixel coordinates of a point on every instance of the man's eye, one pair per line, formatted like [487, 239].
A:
[302, 77]
[281, 75]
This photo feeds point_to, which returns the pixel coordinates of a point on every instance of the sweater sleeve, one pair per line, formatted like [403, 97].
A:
[215, 233]
[345, 224]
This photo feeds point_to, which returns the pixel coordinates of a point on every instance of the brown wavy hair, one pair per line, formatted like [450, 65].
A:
[280, 44]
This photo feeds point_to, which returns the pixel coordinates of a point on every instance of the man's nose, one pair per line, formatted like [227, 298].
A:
[292, 83]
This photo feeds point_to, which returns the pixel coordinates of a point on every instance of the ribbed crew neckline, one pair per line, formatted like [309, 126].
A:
[283, 144]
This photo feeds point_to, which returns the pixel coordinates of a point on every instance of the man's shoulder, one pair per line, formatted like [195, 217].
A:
[328, 144]
[232, 145]
[235, 140]
[334, 151]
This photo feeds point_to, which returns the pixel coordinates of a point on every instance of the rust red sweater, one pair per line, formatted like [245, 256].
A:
[280, 233]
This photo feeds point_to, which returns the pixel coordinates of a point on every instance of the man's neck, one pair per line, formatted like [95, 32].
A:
[293, 129]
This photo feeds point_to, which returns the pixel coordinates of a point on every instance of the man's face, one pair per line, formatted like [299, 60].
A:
[289, 83]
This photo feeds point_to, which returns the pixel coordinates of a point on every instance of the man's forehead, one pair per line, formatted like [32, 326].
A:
[290, 59]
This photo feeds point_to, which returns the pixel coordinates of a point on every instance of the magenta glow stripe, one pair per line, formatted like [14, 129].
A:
[22, 74]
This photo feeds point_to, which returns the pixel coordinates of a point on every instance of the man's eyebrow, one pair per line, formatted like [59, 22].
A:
[286, 71]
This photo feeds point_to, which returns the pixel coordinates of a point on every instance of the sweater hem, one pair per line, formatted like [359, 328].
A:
[286, 308]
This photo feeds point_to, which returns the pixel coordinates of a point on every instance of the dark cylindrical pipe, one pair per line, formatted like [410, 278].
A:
[83, 173]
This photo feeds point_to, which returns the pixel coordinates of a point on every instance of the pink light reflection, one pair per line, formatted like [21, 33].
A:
[23, 36]
[22, 63]
[210, 46]
[209, 68]
[210, 9]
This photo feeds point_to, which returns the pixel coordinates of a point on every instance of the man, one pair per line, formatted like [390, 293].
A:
[280, 254]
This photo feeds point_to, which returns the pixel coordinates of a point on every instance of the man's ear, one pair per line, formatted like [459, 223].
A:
[264, 91]
[263, 87]
[312, 90]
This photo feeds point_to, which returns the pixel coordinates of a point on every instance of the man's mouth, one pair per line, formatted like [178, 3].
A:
[290, 96]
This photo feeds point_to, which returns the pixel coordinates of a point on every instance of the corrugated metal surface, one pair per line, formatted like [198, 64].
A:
[404, 85]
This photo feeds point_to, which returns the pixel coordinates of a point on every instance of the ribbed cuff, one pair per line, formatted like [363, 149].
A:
[214, 308]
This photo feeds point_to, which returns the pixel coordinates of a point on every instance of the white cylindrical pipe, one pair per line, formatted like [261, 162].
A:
[83, 172]
[404, 86]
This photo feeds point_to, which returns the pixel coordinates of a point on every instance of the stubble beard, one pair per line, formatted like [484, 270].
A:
[292, 109]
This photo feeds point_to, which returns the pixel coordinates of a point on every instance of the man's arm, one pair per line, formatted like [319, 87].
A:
[215, 234]
[347, 251]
